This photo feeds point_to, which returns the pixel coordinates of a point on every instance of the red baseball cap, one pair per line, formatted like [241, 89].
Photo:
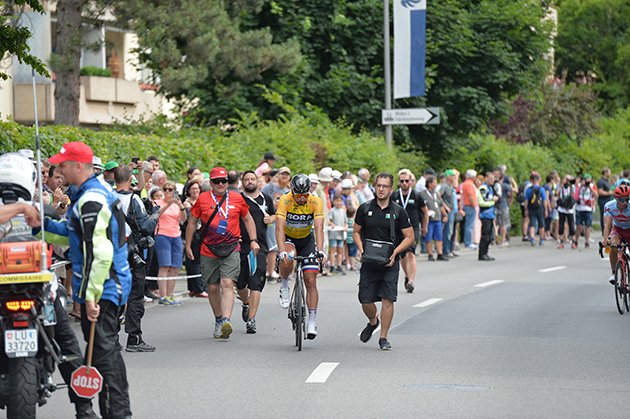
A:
[76, 151]
[218, 173]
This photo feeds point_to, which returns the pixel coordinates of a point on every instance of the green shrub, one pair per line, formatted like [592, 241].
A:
[95, 71]
[305, 143]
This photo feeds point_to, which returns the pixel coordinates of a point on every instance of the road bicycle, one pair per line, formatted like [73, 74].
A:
[622, 274]
[297, 303]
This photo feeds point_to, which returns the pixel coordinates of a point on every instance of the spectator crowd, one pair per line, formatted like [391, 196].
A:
[448, 211]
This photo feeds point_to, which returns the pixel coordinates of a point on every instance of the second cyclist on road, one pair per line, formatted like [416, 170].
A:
[298, 214]
[617, 222]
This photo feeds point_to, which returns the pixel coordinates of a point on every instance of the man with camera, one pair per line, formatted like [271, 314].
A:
[565, 197]
[585, 207]
[139, 228]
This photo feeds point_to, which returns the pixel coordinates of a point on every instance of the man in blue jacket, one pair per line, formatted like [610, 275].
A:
[95, 233]
[486, 199]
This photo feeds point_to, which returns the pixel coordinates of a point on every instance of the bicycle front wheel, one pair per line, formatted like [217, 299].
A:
[299, 311]
[620, 287]
[626, 296]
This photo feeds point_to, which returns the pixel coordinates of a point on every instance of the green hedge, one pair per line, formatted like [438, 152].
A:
[305, 143]
[95, 71]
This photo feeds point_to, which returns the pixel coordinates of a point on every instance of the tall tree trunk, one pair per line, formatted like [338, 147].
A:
[67, 62]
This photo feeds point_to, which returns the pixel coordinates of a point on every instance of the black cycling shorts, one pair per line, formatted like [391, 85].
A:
[305, 247]
[255, 282]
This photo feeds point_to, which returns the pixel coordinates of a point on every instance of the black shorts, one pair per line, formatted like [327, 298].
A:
[254, 282]
[305, 247]
[412, 248]
[378, 284]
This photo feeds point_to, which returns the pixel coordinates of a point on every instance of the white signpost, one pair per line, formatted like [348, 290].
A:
[420, 116]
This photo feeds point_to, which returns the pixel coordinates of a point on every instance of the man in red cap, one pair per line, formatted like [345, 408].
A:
[95, 232]
[220, 211]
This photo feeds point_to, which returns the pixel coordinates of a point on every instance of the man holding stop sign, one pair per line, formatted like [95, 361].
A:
[95, 232]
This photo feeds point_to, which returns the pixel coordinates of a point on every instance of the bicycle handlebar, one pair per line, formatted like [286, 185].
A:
[298, 258]
[602, 246]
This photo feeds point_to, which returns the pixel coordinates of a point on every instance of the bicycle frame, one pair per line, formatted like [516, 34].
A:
[622, 273]
[297, 304]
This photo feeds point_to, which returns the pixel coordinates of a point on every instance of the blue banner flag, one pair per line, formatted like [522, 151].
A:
[410, 23]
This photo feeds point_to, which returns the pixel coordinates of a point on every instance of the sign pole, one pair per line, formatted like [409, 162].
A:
[388, 71]
[90, 347]
[40, 187]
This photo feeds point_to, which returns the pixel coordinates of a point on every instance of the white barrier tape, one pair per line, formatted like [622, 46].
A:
[164, 278]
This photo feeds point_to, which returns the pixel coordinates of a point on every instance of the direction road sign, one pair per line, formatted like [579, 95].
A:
[86, 386]
[427, 116]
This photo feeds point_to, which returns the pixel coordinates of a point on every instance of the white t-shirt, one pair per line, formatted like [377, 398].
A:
[585, 199]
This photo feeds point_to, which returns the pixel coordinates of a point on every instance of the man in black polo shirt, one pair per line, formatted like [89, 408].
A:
[373, 222]
[415, 206]
[251, 284]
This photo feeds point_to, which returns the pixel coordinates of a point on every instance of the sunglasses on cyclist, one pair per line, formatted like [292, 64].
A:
[622, 199]
[302, 195]
[168, 189]
[219, 181]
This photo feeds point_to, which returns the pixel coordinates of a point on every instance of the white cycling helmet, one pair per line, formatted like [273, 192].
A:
[17, 177]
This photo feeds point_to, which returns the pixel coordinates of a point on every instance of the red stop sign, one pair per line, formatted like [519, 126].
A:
[84, 384]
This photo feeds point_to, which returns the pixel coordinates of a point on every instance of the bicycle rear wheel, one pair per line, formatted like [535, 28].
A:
[299, 311]
[627, 294]
[620, 287]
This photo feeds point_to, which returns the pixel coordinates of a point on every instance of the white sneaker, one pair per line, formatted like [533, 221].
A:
[284, 297]
[217, 330]
[612, 279]
[311, 330]
[147, 299]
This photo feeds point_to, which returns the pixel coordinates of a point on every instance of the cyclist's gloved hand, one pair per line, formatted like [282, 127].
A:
[321, 255]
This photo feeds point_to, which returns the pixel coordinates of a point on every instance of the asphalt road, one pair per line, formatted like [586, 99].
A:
[534, 334]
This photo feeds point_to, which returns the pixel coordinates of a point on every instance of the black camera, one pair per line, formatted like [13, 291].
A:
[572, 181]
[134, 250]
[146, 242]
[135, 260]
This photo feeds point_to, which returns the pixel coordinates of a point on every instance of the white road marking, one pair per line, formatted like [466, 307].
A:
[487, 284]
[555, 268]
[429, 302]
[322, 372]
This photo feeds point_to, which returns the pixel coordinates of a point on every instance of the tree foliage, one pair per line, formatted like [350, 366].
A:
[197, 48]
[479, 53]
[14, 38]
[551, 112]
[594, 45]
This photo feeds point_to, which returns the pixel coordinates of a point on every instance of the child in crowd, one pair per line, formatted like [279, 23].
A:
[352, 247]
[337, 218]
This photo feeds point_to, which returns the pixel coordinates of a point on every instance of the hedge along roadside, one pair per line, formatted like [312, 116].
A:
[304, 143]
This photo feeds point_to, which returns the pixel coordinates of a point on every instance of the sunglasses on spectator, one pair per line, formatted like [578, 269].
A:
[302, 195]
[622, 199]
[168, 189]
[403, 180]
[219, 181]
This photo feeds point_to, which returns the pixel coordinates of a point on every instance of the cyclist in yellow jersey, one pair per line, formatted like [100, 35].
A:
[298, 214]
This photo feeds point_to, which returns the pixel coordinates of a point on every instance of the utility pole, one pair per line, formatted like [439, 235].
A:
[388, 71]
